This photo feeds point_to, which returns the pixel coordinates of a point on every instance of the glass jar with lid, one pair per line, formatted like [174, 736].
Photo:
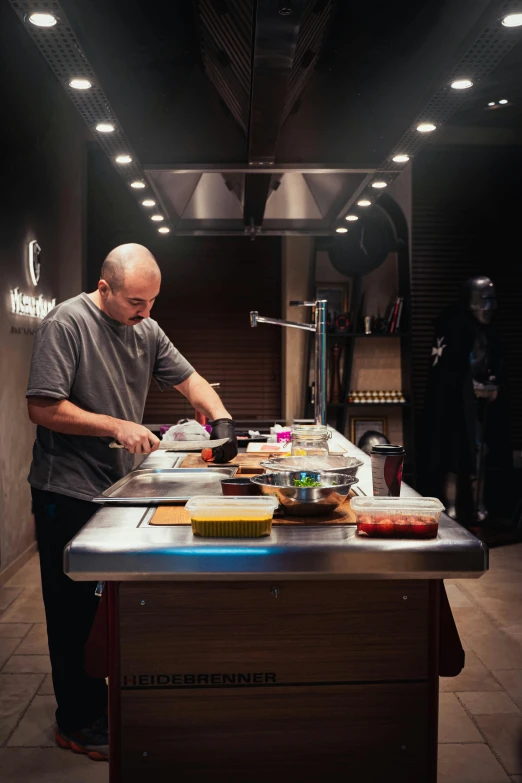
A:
[310, 440]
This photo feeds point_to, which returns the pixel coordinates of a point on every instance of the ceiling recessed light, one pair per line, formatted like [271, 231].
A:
[351, 218]
[426, 127]
[503, 101]
[380, 183]
[149, 202]
[164, 230]
[105, 127]
[492, 103]
[138, 184]
[341, 230]
[462, 84]
[123, 159]
[80, 84]
[401, 158]
[512, 20]
[156, 217]
[40, 19]
[364, 202]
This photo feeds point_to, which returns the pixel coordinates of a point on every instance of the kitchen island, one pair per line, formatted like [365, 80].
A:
[311, 655]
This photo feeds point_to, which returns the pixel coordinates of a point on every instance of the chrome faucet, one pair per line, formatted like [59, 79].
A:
[319, 327]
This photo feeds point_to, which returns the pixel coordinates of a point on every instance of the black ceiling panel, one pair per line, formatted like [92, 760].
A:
[147, 56]
[201, 90]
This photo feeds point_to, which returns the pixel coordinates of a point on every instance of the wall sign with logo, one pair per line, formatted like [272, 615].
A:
[34, 261]
[28, 304]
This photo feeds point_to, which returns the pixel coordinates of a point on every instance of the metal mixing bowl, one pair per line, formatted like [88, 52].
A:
[307, 501]
[328, 464]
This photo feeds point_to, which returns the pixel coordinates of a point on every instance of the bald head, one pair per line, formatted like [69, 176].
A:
[129, 284]
[126, 262]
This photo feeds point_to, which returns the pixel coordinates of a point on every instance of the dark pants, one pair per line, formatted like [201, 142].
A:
[69, 609]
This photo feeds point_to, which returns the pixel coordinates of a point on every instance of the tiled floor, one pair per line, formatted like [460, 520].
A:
[28, 753]
[480, 710]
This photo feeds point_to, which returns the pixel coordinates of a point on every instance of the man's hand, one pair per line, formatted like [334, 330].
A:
[135, 437]
[223, 428]
[63, 416]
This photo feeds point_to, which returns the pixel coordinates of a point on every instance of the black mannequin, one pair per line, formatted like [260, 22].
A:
[463, 384]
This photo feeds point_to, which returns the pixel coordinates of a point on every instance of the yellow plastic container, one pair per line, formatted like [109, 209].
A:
[231, 517]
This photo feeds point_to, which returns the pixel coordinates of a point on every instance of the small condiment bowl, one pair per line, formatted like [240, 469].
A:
[239, 486]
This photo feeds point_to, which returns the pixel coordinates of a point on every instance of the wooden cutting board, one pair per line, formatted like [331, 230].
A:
[343, 516]
[244, 460]
[178, 515]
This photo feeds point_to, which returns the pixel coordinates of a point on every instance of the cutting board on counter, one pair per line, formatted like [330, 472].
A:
[178, 515]
[243, 460]
[250, 464]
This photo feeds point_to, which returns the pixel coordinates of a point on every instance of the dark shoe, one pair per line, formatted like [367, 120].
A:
[93, 742]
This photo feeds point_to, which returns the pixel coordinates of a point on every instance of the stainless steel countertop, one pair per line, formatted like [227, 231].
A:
[118, 545]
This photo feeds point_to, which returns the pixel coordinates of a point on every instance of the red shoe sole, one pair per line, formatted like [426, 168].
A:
[66, 744]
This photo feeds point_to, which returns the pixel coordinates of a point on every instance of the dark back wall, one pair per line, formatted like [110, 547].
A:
[42, 168]
[466, 221]
[209, 286]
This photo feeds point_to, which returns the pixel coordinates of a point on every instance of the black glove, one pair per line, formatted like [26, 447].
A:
[224, 428]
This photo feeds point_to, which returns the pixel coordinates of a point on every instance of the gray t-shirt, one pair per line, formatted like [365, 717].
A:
[82, 355]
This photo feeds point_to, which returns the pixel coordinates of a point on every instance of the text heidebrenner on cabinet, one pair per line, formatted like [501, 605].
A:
[133, 681]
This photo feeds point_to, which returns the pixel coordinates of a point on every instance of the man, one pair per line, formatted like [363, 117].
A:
[93, 359]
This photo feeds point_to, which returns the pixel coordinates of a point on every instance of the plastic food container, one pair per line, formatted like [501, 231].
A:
[389, 517]
[231, 517]
[310, 440]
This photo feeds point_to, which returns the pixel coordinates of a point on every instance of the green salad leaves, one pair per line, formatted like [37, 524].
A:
[306, 482]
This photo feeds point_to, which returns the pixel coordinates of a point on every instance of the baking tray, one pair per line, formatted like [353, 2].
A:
[177, 485]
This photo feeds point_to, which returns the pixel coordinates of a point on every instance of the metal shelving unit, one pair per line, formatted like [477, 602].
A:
[339, 413]
[355, 335]
[369, 405]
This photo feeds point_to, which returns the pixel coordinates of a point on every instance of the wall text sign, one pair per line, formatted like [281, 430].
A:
[27, 304]
[34, 306]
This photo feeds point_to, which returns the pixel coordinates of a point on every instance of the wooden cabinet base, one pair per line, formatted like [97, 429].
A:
[301, 681]
[322, 733]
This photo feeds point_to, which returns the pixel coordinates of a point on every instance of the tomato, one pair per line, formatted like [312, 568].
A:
[424, 528]
[385, 527]
[364, 524]
[375, 526]
[403, 527]
[396, 525]
[207, 455]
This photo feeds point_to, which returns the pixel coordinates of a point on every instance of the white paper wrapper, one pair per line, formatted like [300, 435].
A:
[189, 430]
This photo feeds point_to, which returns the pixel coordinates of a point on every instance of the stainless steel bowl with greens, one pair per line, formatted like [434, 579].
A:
[307, 493]
[329, 464]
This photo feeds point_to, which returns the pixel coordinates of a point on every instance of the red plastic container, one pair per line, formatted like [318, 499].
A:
[389, 517]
